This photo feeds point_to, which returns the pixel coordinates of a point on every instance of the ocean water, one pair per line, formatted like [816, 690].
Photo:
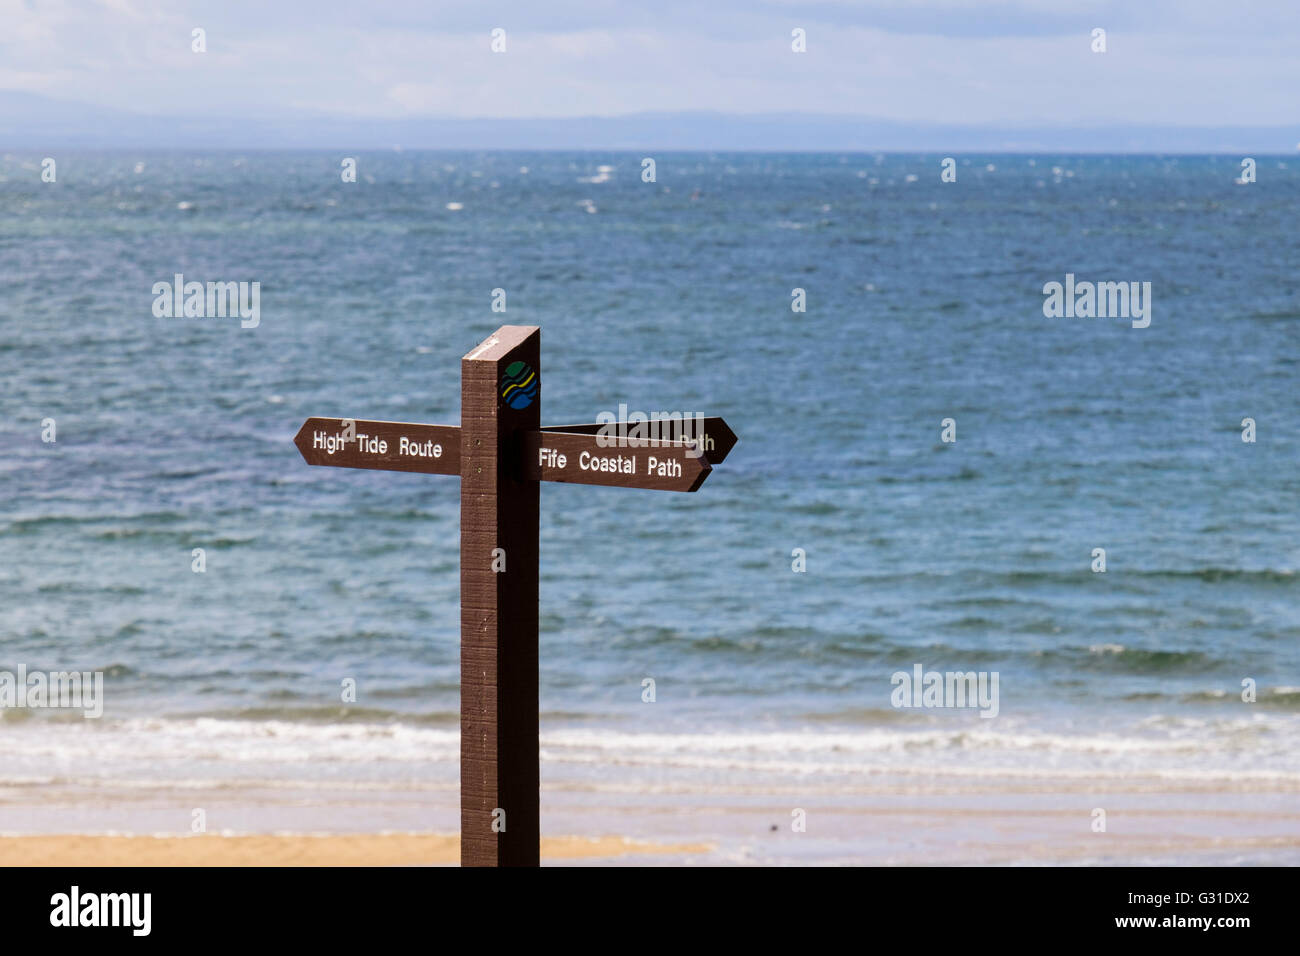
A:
[924, 302]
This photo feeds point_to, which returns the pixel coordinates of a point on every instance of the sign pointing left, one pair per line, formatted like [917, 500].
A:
[387, 446]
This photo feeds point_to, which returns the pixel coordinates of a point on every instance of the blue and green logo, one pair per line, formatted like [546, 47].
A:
[519, 385]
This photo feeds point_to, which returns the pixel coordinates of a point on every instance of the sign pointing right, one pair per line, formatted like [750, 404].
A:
[581, 459]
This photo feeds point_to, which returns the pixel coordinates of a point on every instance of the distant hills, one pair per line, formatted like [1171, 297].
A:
[32, 122]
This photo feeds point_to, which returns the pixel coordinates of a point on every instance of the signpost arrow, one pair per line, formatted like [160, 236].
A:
[500, 451]
[719, 439]
[563, 456]
[388, 446]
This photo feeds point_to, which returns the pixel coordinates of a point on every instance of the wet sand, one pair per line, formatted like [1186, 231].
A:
[397, 849]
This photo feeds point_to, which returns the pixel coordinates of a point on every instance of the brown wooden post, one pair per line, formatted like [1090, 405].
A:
[499, 762]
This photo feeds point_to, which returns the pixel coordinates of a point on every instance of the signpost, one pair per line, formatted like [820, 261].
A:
[501, 453]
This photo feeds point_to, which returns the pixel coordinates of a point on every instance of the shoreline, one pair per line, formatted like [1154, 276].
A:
[953, 793]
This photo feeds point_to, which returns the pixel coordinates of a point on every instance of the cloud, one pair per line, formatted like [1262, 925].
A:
[1006, 62]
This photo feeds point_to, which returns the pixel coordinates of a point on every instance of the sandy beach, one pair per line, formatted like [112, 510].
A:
[369, 849]
[891, 822]
[948, 837]
[281, 793]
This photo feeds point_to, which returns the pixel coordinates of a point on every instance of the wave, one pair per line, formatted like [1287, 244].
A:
[868, 647]
[838, 741]
[1281, 698]
[331, 715]
[38, 523]
[1116, 658]
[1075, 577]
[1211, 575]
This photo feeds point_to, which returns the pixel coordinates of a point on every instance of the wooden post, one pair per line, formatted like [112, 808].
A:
[499, 758]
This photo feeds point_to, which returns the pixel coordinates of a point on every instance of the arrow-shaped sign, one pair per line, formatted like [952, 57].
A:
[578, 458]
[388, 446]
[719, 439]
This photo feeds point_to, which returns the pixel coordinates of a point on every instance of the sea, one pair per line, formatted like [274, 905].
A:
[927, 465]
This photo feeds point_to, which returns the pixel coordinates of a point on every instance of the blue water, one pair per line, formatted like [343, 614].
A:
[924, 302]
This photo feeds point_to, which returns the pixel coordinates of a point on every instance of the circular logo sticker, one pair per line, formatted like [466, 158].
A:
[519, 385]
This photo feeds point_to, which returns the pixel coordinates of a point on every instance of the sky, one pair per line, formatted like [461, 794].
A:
[1010, 63]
